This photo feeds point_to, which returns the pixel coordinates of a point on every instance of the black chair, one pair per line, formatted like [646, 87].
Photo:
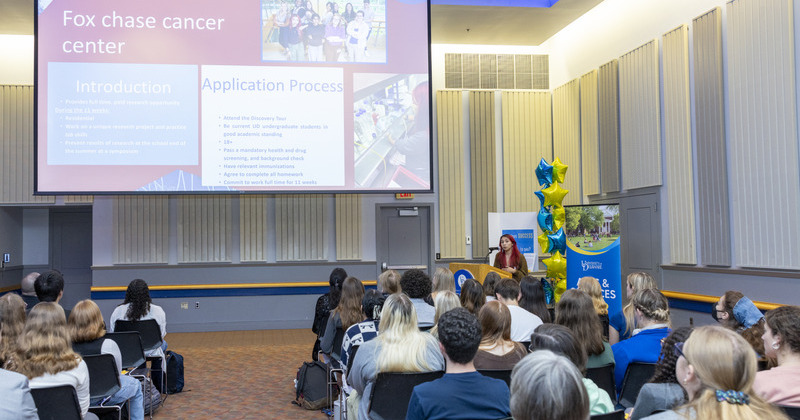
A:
[353, 351]
[391, 393]
[150, 334]
[57, 403]
[527, 345]
[603, 377]
[636, 375]
[614, 415]
[133, 359]
[103, 383]
[497, 374]
[792, 412]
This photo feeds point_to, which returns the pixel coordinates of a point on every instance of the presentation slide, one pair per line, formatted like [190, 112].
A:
[197, 96]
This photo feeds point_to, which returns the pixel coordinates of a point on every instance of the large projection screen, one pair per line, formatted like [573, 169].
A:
[199, 96]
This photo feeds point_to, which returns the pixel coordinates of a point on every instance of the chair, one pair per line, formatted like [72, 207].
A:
[133, 358]
[497, 374]
[103, 383]
[636, 375]
[57, 403]
[614, 415]
[792, 412]
[527, 345]
[335, 364]
[150, 334]
[603, 377]
[391, 393]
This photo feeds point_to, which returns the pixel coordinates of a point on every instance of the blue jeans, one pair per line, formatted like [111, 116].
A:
[131, 389]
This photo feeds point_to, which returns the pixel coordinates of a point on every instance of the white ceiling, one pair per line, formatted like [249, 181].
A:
[449, 24]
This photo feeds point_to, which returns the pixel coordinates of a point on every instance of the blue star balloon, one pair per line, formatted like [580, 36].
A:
[544, 173]
[540, 196]
[558, 242]
[545, 219]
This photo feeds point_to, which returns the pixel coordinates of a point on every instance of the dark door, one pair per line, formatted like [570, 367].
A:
[404, 238]
[71, 251]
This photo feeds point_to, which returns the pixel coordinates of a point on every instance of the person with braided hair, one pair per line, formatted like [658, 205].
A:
[717, 368]
[781, 384]
[651, 314]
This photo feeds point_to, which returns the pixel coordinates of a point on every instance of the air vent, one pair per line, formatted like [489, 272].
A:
[496, 71]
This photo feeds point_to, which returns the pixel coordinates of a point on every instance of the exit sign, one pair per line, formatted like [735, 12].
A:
[404, 196]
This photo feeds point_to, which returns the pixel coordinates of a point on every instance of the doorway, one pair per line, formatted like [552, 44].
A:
[403, 238]
[71, 251]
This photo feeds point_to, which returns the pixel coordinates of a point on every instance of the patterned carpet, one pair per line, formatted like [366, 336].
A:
[239, 375]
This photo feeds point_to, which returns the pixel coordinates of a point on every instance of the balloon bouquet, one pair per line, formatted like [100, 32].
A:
[551, 220]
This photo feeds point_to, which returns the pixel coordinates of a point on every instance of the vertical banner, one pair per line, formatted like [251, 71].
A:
[522, 226]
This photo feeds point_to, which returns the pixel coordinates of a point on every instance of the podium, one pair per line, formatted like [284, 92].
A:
[479, 271]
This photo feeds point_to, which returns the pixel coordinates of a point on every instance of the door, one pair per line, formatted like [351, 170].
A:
[71, 252]
[640, 223]
[404, 239]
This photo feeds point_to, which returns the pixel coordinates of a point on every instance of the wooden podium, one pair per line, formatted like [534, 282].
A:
[479, 271]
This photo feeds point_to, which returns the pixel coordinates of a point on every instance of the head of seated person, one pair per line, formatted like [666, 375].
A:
[85, 322]
[349, 309]
[472, 297]
[137, 296]
[49, 286]
[651, 308]
[44, 346]
[665, 367]
[403, 346]
[737, 312]
[575, 310]
[489, 282]
[335, 281]
[533, 382]
[444, 302]
[12, 322]
[389, 282]
[560, 340]
[532, 297]
[443, 280]
[507, 291]
[372, 303]
[460, 336]
[416, 284]
[495, 320]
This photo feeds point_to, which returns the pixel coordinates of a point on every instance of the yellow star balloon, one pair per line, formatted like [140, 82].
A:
[556, 265]
[554, 194]
[561, 287]
[544, 243]
[559, 217]
[559, 171]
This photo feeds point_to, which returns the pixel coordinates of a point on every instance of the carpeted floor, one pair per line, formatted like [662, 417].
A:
[239, 375]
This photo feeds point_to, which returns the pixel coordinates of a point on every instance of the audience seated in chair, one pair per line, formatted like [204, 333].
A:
[399, 347]
[417, 286]
[28, 290]
[497, 351]
[663, 392]
[591, 286]
[325, 304]
[652, 320]
[49, 287]
[347, 313]
[462, 393]
[139, 306]
[523, 323]
[16, 401]
[576, 311]
[12, 322]
[717, 368]
[489, 282]
[358, 334]
[445, 301]
[781, 384]
[622, 323]
[442, 280]
[472, 297]
[534, 382]
[560, 340]
[87, 331]
[738, 313]
[389, 283]
[532, 298]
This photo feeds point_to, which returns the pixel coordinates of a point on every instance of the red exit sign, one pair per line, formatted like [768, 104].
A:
[404, 196]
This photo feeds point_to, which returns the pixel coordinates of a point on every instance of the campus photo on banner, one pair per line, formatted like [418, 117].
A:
[522, 226]
[593, 249]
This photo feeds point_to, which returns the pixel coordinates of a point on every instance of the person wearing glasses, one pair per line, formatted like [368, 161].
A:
[717, 368]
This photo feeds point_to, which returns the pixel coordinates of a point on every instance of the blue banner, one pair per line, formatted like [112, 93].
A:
[524, 238]
[604, 265]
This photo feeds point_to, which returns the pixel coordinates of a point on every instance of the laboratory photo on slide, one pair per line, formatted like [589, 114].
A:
[391, 131]
[329, 31]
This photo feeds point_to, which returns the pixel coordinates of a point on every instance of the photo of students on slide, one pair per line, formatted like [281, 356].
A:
[314, 31]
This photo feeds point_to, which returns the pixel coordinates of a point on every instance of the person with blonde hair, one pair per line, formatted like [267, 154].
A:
[87, 331]
[781, 384]
[445, 301]
[576, 311]
[717, 368]
[399, 347]
[496, 350]
[442, 280]
[16, 401]
[389, 282]
[591, 286]
[548, 386]
[12, 321]
[621, 324]
[651, 313]
[46, 357]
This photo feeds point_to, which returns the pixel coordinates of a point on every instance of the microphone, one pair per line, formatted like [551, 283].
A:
[494, 248]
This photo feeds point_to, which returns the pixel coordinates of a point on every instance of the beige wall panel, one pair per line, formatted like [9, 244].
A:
[482, 160]
[640, 117]
[141, 229]
[678, 142]
[608, 122]
[16, 146]
[764, 169]
[301, 227]
[527, 138]
[253, 227]
[567, 137]
[348, 227]
[590, 140]
[204, 228]
[78, 199]
[452, 201]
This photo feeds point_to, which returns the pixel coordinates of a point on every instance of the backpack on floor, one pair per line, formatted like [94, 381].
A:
[174, 372]
[312, 386]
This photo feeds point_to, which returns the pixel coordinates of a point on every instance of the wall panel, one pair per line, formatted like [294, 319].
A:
[527, 138]
[482, 160]
[764, 170]
[141, 229]
[713, 212]
[590, 141]
[348, 227]
[301, 231]
[678, 142]
[204, 228]
[567, 137]
[608, 122]
[640, 118]
[253, 228]
[452, 194]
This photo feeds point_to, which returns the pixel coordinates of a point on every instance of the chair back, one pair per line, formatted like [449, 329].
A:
[148, 329]
[638, 374]
[337, 343]
[130, 345]
[392, 392]
[103, 375]
[603, 377]
[792, 412]
[614, 415]
[57, 403]
[527, 345]
[497, 374]
[353, 351]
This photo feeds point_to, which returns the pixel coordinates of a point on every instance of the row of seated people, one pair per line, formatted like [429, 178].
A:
[363, 317]
[44, 349]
